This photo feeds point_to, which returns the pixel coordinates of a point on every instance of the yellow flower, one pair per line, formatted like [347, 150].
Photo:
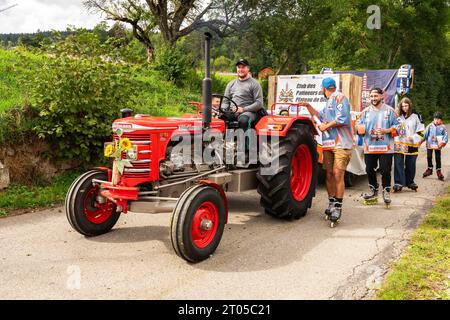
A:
[125, 144]
[109, 150]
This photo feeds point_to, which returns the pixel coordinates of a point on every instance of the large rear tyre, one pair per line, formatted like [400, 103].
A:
[289, 191]
[87, 212]
[197, 223]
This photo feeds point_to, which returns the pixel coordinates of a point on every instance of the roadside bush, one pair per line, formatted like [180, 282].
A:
[79, 94]
[222, 64]
[173, 63]
[17, 124]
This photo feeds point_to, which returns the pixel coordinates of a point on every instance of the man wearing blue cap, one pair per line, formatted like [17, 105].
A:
[337, 144]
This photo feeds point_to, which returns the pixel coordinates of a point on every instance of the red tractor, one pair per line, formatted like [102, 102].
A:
[155, 181]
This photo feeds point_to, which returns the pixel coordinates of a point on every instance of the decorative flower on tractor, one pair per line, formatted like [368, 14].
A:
[125, 144]
[115, 151]
[109, 150]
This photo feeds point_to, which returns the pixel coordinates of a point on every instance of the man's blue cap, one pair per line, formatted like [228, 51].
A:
[329, 83]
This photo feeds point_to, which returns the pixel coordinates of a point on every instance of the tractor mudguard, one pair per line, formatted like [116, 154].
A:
[107, 170]
[279, 126]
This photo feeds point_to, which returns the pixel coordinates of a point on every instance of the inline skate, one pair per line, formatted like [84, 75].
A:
[335, 216]
[371, 198]
[427, 172]
[387, 197]
[440, 175]
[331, 204]
[413, 187]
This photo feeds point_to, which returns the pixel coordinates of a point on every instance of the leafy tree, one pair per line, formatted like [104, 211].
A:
[32, 40]
[173, 19]
[173, 63]
[280, 33]
[412, 32]
[222, 64]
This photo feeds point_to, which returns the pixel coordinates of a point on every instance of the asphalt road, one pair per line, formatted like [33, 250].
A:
[259, 257]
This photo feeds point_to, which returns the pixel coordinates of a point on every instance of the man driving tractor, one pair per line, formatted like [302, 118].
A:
[248, 95]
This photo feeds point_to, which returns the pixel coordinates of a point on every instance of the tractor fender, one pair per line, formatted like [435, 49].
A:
[263, 126]
[107, 170]
[221, 192]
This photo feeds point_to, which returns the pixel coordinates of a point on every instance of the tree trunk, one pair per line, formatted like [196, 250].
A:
[283, 64]
[150, 54]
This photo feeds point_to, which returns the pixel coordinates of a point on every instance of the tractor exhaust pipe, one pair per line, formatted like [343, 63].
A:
[207, 84]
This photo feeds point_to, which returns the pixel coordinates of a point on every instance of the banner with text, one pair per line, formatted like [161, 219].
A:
[308, 88]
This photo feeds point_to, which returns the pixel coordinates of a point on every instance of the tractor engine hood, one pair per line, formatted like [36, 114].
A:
[150, 123]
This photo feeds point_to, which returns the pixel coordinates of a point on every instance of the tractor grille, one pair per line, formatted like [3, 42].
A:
[138, 139]
[141, 167]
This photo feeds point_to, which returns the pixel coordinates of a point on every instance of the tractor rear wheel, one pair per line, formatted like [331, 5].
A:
[288, 192]
[88, 213]
[197, 223]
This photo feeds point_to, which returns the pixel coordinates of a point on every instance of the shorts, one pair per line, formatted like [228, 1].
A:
[336, 159]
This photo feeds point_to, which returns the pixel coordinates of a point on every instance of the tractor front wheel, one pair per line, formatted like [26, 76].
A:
[87, 211]
[197, 224]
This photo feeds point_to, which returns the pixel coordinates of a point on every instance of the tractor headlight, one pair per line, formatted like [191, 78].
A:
[132, 153]
[276, 127]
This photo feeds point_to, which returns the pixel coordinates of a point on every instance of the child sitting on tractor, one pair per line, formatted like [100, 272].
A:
[216, 101]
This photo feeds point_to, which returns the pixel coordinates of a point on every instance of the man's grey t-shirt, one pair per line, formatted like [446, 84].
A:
[247, 94]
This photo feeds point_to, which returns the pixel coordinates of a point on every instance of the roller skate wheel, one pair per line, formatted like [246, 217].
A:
[388, 205]
[333, 224]
[327, 217]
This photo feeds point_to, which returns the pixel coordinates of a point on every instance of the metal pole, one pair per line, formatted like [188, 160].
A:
[207, 84]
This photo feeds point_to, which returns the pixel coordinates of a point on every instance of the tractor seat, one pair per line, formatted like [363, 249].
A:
[233, 125]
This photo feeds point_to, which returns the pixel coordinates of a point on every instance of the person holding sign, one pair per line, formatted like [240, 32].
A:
[378, 125]
[337, 143]
[436, 136]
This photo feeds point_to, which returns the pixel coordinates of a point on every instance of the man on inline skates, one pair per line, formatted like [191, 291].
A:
[378, 125]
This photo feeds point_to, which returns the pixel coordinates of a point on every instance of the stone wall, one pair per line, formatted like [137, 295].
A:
[26, 164]
[4, 177]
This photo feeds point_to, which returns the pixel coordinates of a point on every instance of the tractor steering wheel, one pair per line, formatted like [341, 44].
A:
[233, 106]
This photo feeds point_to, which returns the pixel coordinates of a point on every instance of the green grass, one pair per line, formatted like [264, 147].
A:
[10, 93]
[423, 271]
[163, 98]
[18, 197]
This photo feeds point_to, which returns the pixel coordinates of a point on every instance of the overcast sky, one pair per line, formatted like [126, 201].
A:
[45, 15]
